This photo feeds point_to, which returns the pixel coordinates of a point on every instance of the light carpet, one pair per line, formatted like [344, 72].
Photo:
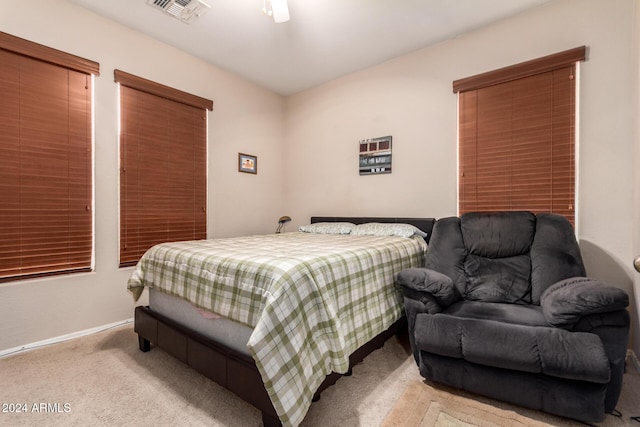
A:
[104, 380]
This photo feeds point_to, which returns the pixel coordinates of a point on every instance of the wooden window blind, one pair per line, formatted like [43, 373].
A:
[162, 166]
[46, 188]
[517, 137]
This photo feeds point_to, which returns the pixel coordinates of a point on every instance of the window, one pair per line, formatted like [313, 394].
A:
[46, 188]
[162, 165]
[517, 137]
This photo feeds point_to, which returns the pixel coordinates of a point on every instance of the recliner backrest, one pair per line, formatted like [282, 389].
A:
[504, 256]
[498, 263]
[555, 254]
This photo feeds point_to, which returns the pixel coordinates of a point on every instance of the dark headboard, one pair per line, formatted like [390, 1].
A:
[424, 224]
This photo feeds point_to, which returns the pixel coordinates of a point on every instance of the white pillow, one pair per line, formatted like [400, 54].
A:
[388, 229]
[328, 228]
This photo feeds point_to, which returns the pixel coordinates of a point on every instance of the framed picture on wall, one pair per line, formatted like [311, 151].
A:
[375, 156]
[247, 163]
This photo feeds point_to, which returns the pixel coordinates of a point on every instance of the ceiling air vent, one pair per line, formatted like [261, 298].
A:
[185, 10]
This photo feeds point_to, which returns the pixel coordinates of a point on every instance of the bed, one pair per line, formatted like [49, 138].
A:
[304, 308]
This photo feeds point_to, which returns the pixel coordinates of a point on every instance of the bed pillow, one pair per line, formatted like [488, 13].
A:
[328, 228]
[388, 229]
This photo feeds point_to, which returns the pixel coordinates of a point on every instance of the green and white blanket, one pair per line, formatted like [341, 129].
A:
[311, 299]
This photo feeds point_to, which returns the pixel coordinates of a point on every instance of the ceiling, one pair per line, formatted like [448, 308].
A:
[324, 39]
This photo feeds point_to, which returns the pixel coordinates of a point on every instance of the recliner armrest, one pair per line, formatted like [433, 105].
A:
[425, 291]
[424, 280]
[567, 301]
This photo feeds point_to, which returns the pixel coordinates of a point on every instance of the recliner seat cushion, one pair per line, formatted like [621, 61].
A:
[529, 315]
[545, 350]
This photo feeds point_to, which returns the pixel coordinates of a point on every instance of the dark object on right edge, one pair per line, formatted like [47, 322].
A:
[503, 309]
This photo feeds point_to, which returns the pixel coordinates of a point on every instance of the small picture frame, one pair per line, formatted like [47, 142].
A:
[247, 163]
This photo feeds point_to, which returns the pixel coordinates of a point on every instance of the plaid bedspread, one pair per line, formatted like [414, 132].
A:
[312, 299]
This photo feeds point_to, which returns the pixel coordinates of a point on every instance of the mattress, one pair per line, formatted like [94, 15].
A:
[232, 334]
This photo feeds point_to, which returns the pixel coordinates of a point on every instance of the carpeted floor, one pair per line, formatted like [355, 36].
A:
[104, 380]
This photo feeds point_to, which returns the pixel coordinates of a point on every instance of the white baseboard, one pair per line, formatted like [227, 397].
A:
[63, 338]
[634, 360]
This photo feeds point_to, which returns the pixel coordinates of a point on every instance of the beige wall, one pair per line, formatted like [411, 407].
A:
[246, 118]
[411, 99]
[307, 144]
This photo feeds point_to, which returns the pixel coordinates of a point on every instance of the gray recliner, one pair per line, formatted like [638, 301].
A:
[503, 309]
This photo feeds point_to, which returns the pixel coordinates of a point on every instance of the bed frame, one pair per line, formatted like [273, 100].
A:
[236, 371]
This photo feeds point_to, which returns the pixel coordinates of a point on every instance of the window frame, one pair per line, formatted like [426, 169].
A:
[44, 59]
[164, 93]
[546, 64]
